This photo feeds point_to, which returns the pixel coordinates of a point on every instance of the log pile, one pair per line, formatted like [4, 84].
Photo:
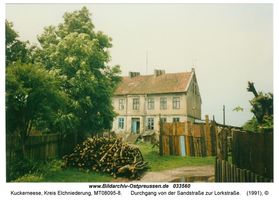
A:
[108, 155]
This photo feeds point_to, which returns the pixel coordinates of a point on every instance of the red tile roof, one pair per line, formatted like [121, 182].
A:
[150, 84]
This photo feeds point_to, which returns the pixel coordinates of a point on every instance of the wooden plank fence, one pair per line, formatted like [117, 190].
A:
[228, 172]
[253, 151]
[42, 147]
[186, 138]
[252, 157]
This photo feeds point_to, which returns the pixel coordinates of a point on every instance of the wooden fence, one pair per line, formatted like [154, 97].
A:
[228, 172]
[252, 158]
[186, 138]
[253, 151]
[42, 147]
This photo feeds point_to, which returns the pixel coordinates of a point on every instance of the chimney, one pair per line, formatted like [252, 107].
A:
[134, 74]
[158, 72]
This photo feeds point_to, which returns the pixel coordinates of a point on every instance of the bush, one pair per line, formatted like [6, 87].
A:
[26, 170]
[20, 166]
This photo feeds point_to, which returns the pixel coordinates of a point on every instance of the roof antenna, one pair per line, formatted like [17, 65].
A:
[146, 62]
[194, 64]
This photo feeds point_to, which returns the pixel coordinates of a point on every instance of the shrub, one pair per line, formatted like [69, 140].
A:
[19, 167]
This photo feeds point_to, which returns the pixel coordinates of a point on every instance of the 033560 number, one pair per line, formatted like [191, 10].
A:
[179, 185]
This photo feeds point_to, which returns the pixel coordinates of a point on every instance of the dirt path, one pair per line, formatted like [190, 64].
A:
[177, 173]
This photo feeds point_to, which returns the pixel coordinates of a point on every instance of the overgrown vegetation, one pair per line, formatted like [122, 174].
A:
[19, 167]
[33, 97]
[262, 108]
[72, 59]
[64, 85]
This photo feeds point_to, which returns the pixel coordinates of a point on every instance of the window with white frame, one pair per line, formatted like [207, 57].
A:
[175, 119]
[176, 102]
[150, 123]
[121, 122]
[163, 103]
[150, 103]
[163, 119]
[121, 104]
[136, 103]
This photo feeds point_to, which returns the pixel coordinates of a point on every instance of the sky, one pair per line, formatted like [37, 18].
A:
[227, 44]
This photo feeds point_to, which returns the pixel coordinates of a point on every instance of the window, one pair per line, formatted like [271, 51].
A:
[175, 119]
[150, 104]
[135, 103]
[121, 104]
[150, 123]
[163, 103]
[163, 119]
[176, 103]
[121, 122]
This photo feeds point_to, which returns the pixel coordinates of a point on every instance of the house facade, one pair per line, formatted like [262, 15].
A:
[140, 101]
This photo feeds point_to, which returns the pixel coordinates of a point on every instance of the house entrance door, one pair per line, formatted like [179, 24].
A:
[135, 125]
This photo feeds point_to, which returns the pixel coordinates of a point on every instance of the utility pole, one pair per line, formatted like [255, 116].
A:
[224, 115]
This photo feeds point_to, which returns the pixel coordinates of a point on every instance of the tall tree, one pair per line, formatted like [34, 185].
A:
[16, 50]
[81, 54]
[33, 97]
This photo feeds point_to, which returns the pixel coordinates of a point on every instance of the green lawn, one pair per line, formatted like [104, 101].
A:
[54, 173]
[68, 175]
[74, 175]
[158, 163]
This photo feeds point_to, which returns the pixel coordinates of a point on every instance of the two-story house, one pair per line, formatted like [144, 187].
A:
[140, 101]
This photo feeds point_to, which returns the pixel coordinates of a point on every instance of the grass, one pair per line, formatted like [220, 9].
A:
[74, 175]
[159, 163]
[52, 171]
[56, 174]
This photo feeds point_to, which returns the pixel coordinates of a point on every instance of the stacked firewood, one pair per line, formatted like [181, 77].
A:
[107, 155]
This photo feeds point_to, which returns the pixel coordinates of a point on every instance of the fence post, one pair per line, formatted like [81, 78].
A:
[228, 172]
[252, 177]
[216, 169]
[223, 170]
[235, 175]
[238, 175]
[208, 137]
[222, 152]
